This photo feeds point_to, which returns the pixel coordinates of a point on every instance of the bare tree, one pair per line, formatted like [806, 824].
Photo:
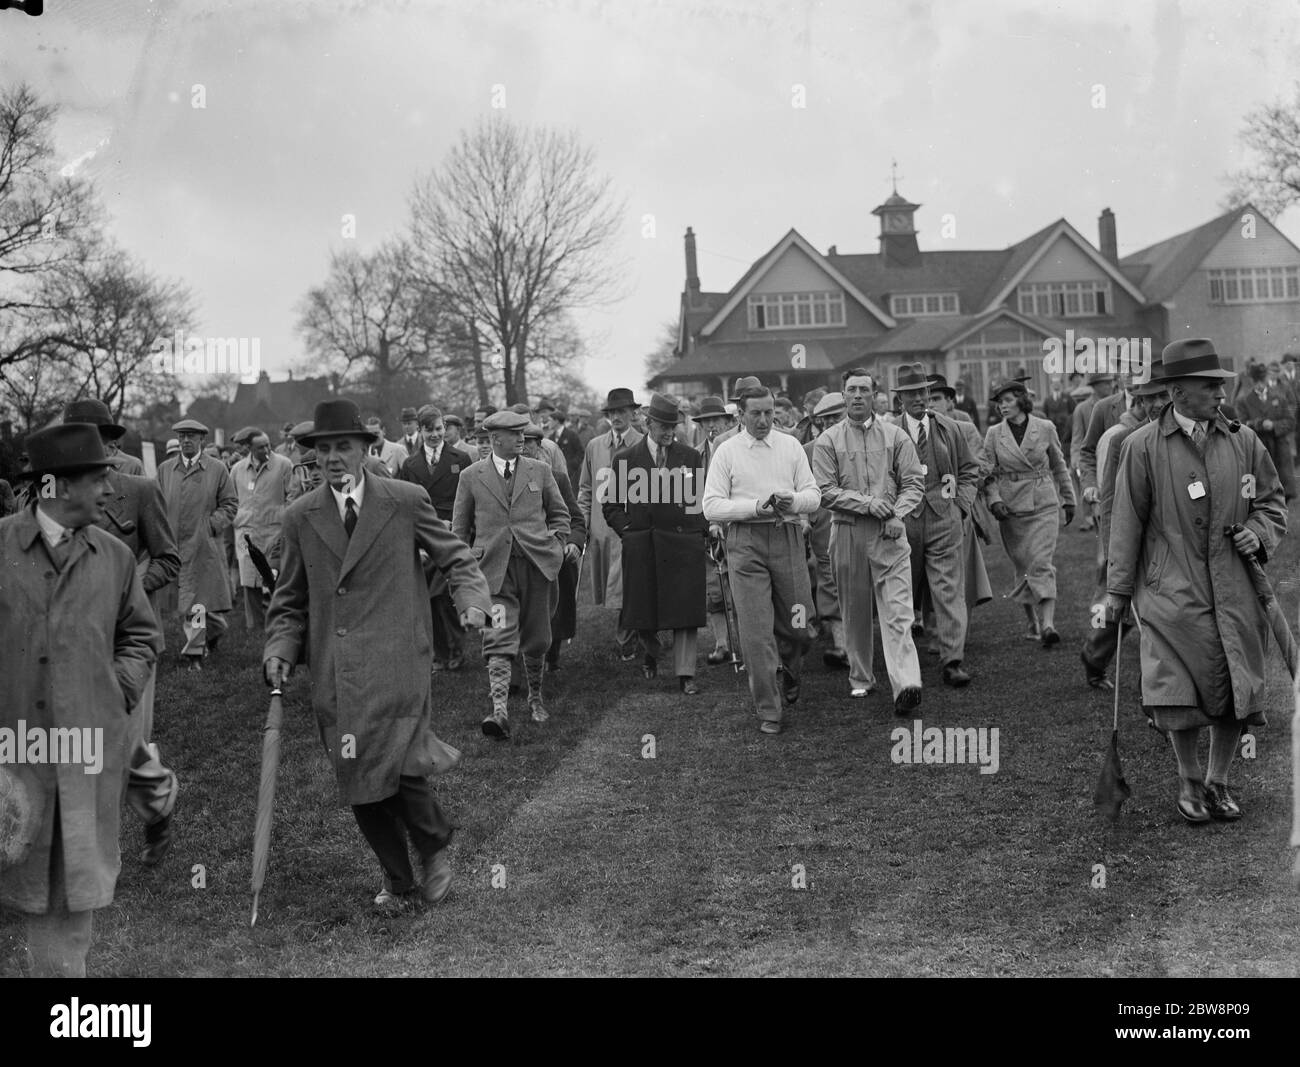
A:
[373, 325]
[512, 231]
[1273, 183]
[665, 353]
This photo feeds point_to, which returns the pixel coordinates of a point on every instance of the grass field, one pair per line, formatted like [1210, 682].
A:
[687, 863]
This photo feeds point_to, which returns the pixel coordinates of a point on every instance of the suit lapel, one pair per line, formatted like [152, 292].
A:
[492, 479]
[521, 475]
[324, 518]
[376, 510]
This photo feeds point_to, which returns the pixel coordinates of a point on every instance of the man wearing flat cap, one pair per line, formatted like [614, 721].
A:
[654, 508]
[454, 435]
[79, 641]
[201, 505]
[604, 549]
[136, 514]
[510, 511]
[1193, 503]
[352, 584]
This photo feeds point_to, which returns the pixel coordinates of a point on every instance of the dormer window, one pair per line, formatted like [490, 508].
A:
[918, 305]
[1065, 300]
[785, 311]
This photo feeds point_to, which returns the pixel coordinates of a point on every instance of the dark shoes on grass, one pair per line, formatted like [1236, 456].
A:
[908, 700]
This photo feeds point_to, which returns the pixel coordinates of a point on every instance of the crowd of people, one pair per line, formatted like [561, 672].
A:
[371, 563]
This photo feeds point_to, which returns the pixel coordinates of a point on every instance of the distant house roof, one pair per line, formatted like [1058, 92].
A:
[728, 358]
[265, 404]
[1166, 265]
[1029, 251]
[966, 273]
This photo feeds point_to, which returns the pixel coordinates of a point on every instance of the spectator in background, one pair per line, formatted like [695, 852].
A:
[963, 401]
[1270, 412]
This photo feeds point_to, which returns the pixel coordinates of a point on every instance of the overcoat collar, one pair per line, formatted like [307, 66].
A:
[323, 514]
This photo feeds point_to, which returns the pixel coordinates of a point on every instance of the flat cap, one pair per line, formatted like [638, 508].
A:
[506, 420]
[533, 432]
[192, 425]
[830, 404]
[302, 429]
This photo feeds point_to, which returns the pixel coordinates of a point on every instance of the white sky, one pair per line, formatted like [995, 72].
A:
[317, 109]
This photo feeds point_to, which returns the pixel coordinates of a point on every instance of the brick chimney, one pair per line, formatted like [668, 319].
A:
[692, 269]
[1107, 241]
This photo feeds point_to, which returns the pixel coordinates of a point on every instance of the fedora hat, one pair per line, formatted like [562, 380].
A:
[939, 384]
[71, 448]
[407, 415]
[663, 409]
[911, 376]
[95, 412]
[1193, 358]
[22, 805]
[619, 398]
[711, 407]
[336, 418]
[747, 382]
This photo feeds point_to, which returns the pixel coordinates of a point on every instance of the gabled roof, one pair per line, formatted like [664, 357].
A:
[691, 319]
[941, 333]
[761, 266]
[965, 273]
[1026, 253]
[1168, 263]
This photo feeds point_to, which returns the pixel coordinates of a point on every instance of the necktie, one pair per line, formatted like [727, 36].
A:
[618, 442]
[1198, 437]
[350, 519]
[920, 436]
[660, 457]
[61, 549]
[507, 475]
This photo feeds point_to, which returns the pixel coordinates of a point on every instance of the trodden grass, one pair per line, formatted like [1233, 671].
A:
[607, 862]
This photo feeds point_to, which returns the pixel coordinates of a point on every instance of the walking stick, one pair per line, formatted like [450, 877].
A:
[1112, 790]
[266, 796]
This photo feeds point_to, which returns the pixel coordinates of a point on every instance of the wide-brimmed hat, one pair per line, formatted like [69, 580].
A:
[190, 426]
[619, 398]
[22, 807]
[911, 376]
[663, 409]
[1154, 384]
[830, 404]
[939, 384]
[711, 407]
[96, 413]
[72, 448]
[336, 418]
[1193, 358]
[747, 382]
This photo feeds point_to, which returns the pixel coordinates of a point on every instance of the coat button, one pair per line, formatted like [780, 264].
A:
[342, 590]
[40, 705]
[1200, 522]
[342, 631]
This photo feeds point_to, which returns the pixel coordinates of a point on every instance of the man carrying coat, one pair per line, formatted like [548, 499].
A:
[654, 508]
[1183, 481]
[79, 642]
[603, 546]
[201, 505]
[509, 509]
[351, 582]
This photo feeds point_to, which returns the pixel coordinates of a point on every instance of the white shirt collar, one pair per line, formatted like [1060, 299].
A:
[501, 464]
[51, 529]
[1187, 425]
[358, 494]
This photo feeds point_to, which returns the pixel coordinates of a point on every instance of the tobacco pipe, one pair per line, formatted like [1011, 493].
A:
[1232, 425]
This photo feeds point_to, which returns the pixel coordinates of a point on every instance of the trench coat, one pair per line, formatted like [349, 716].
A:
[364, 601]
[603, 546]
[664, 540]
[1031, 478]
[201, 505]
[1203, 634]
[78, 647]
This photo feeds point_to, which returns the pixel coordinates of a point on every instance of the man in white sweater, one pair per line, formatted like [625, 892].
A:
[759, 483]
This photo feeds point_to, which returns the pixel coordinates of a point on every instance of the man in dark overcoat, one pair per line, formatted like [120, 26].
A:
[655, 509]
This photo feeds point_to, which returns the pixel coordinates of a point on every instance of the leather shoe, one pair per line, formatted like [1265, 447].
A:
[1095, 676]
[437, 665]
[718, 657]
[1220, 803]
[497, 726]
[908, 700]
[437, 877]
[688, 686]
[836, 657]
[158, 839]
[627, 655]
[1191, 801]
[195, 663]
[954, 676]
[387, 900]
[789, 686]
[766, 727]
[1050, 637]
[862, 692]
[650, 668]
[538, 709]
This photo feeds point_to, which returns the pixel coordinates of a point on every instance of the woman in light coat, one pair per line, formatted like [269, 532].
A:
[1028, 484]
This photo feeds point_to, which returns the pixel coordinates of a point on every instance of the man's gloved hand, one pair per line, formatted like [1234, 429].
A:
[1117, 607]
[277, 672]
[1000, 511]
[473, 619]
[893, 529]
[572, 552]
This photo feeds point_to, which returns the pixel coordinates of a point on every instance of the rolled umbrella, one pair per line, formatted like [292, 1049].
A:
[261, 563]
[1272, 610]
[266, 796]
[1112, 790]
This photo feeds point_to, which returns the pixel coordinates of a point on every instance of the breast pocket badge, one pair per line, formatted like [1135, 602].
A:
[1196, 490]
[532, 487]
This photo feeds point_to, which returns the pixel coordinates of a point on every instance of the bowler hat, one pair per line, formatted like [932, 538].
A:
[619, 398]
[911, 376]
[939, 384]
[1193, 358]
[190, 426]
[506, 420]
[663, 409]
[830, 404]
[22, 807]
[748, 382]
[71, 448]
[96, 412]
[711, 408]
[407, 415]
[336, 418]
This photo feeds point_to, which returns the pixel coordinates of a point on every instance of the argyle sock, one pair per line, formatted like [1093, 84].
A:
[1223, 746]
[499, 682]
[533, 672]
[1184, 742]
